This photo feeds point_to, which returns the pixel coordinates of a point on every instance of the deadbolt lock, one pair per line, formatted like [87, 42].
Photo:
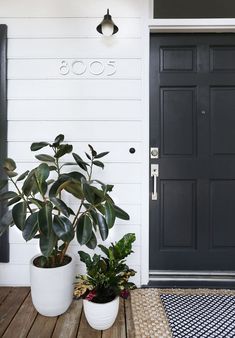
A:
[154, 152]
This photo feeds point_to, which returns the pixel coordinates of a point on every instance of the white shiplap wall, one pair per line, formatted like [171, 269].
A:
[103, 110]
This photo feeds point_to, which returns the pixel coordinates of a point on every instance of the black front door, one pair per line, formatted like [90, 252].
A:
[192, 105]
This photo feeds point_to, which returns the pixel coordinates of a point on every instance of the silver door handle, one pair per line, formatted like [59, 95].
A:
[154, 174]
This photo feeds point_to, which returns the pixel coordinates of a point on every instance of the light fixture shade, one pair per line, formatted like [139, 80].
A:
[107, 26]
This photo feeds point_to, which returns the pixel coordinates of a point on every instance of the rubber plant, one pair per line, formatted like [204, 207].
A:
[38, 201]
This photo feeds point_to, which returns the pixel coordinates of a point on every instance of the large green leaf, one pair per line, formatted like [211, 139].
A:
[124, 246]
[14, 200]
[45, 158]
[45, 220]
[58, 185]
[7, 195]
[63, 149]
[88, 156]
[93, 215]
[103, 227]
[42, 172]
[99, 164]
[61, 206]
[69, 182]
[59, 138]
[47, 243]
[75, 189]
[38, 203]
[30, 185]
[92, 243]
[38, 145]
[102, 154]
[22, 176]
[93, 152]
[89, 193]
[121, 213]
[31, 227]
[19, 214]
[75, 176]
[84, 229]
[3, 183]
[104, 249]
[11, 173]
[110, 214]
[63, 228]
[85, 258]
[9, 164]
[80, 161]
[6, 221]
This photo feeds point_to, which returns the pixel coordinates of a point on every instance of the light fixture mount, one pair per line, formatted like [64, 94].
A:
[107, 26]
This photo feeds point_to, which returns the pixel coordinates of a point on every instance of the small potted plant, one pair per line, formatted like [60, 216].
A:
[39, 210]
[107, 278]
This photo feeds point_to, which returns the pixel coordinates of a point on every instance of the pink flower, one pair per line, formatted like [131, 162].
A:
[91, 295]
[124, 294]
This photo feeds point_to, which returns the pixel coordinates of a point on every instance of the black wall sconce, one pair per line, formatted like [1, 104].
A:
[107, 27]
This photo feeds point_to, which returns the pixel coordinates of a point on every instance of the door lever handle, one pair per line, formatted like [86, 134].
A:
[154, 174]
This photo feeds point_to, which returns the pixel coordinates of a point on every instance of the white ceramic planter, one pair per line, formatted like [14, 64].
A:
[101, 316]
[52, 288]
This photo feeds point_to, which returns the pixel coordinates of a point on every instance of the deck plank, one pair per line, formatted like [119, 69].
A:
[22, 321]
[10, 306]
[19, 319]
[43, 327]
[130, 329]
[118, 330]
[4, 291]
[67, 324]
[85, 331]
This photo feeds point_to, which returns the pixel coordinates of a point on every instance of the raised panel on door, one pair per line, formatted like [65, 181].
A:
[173, 59]
[222, 214]
[178, 226]
[222, 103]
[178, 121]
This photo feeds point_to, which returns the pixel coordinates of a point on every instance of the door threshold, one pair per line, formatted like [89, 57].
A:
[186, 279]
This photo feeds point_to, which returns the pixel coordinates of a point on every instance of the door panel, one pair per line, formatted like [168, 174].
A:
[177, 226]
[222, 120]
[222, 213]
[192, 108]
[177, 118]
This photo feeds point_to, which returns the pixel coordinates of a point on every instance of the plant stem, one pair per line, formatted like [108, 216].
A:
[63, 252]
[78, 212]
[89, 176]
[22, 195]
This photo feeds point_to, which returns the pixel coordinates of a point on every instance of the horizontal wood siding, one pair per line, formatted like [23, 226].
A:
[103, 109]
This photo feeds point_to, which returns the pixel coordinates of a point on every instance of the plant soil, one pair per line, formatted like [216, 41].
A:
[103, 300]
[38, 262]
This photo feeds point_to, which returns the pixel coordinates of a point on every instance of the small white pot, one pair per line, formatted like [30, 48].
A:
[52, 288]
[101, 316]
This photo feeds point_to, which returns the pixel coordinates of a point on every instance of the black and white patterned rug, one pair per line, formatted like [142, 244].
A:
[200, 316]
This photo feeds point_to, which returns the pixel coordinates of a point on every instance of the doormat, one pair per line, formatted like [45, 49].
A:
[183, 313]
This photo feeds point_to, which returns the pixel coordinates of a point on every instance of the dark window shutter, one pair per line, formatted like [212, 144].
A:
[4, 240]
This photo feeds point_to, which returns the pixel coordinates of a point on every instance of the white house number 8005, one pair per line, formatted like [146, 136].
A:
[96, 67]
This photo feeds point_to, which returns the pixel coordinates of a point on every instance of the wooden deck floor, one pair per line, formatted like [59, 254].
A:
[19, 319]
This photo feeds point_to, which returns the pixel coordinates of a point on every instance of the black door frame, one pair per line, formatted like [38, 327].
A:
[4, 239]
[180, 279]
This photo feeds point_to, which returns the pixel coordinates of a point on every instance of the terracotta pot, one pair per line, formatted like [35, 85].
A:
[101, 316]
[52, 288]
